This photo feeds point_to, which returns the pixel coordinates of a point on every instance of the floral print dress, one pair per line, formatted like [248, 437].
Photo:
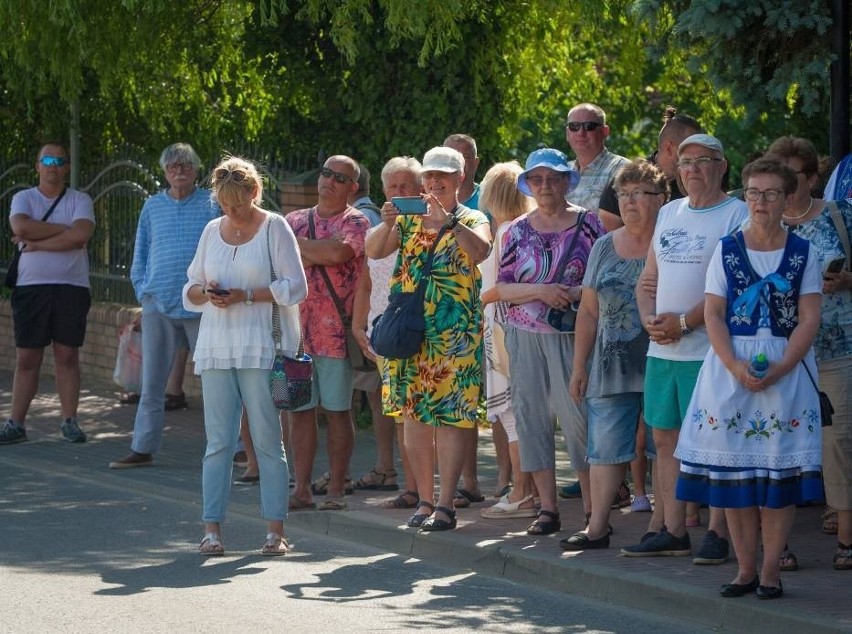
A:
[440, 385]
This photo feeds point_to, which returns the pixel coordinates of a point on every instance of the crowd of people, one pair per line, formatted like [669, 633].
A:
[651, 314]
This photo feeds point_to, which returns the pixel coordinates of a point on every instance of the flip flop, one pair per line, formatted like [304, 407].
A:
[464, 498]
[276, 546]
[211, 545]
[296, 504]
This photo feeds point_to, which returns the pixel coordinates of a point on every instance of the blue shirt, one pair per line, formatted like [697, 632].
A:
[166, 239]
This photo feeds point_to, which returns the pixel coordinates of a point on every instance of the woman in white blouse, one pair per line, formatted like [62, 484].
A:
[230, 284]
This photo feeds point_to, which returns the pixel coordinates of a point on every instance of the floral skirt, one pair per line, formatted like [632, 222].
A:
[740, 448]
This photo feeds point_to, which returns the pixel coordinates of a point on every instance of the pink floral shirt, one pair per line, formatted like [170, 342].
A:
[322, 329]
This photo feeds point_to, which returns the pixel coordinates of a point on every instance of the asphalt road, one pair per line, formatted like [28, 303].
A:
[83, 552]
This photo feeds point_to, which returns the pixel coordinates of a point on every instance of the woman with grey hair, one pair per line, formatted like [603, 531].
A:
[231, 283]
[400, 177]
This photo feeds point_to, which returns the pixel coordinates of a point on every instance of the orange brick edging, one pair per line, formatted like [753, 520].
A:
[97, 356]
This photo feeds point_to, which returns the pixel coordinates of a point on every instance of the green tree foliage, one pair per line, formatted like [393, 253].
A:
[376, 78]
[774, 51]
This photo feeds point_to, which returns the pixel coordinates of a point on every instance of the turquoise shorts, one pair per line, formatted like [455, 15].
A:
[668, 390]
[332, 385]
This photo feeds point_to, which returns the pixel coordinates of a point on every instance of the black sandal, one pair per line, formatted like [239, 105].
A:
[545, 526]
[416, 520]
[175, 401]
[435, 524]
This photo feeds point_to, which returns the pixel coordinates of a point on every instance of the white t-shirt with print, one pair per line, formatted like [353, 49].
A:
[684, 241]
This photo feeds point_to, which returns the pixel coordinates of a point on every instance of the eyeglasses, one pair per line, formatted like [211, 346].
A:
[588, 126]
[339, 177]
[700, 162]
[537, 181]
[635, 194]
[769, 195]
[176, 167]
[237, 175]
[53, 161]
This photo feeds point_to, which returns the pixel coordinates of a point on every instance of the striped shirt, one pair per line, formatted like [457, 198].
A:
[594, 179]
[166, 239]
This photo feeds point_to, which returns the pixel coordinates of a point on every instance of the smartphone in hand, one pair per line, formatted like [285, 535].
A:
[835, 266]
[219, 291]
[409, 204]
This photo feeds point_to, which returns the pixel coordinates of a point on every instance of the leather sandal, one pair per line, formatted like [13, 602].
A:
[843, 557]
[416, 520]
[402, 501]
[546, 523]
[436, 524]
[375, 481]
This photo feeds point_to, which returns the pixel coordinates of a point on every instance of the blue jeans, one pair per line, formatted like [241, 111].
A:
[225, 394]
[161, 337]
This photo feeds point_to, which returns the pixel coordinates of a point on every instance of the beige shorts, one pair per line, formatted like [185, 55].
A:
[835, 379]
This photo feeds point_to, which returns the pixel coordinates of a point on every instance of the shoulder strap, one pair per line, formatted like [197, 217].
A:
[842, 232]
[276, 311]
[53, 206]
[566, 257]
[337, 303]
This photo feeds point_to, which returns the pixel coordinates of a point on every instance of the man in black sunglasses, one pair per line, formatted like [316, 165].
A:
[52, 225]
[331, 240]
[586, 131]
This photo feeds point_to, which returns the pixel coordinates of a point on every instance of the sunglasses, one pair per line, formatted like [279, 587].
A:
[339, 177]
[237, 175]
[176, 167]
[53, 161]
[588, 126]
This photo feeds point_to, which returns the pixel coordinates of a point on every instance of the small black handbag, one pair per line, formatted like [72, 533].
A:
[398, 333]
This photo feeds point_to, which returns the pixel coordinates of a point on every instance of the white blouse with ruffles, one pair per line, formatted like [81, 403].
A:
[240, 336]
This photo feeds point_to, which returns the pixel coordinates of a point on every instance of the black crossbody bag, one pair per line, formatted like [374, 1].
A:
[12, 272]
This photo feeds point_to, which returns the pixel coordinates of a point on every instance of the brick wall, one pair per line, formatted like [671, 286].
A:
[97, 356]
[297, 196]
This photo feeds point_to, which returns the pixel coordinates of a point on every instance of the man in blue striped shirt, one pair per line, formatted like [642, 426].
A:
[166, 239]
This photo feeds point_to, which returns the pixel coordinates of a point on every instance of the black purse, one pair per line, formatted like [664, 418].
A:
[398, 333]
[826, 409]
[11, 280]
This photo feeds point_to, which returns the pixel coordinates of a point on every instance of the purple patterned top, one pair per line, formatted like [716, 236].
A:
[529, 257]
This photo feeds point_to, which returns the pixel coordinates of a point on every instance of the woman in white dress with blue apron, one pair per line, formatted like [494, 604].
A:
[752, 444]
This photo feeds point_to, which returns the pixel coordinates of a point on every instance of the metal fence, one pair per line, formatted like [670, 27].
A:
[119, 187]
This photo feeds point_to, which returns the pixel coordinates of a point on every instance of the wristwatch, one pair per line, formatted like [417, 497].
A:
[451, 223]
[249, 300]
[684, 329]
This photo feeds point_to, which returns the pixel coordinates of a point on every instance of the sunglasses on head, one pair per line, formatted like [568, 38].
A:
[53, 161]
[340, 177]
[236, 174]
[588, 126]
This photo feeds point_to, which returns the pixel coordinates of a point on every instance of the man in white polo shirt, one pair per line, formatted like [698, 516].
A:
[672, 311]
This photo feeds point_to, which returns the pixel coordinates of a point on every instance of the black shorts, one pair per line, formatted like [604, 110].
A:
[45, 313]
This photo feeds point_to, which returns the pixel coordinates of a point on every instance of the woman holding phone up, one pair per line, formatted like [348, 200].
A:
[437, 390]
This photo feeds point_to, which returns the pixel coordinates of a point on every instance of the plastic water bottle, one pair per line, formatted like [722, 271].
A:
[759, 365]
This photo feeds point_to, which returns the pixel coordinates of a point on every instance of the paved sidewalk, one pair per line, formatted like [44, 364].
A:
[817, 598]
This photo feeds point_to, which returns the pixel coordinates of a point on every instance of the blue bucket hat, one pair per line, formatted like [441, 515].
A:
[552, 159]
